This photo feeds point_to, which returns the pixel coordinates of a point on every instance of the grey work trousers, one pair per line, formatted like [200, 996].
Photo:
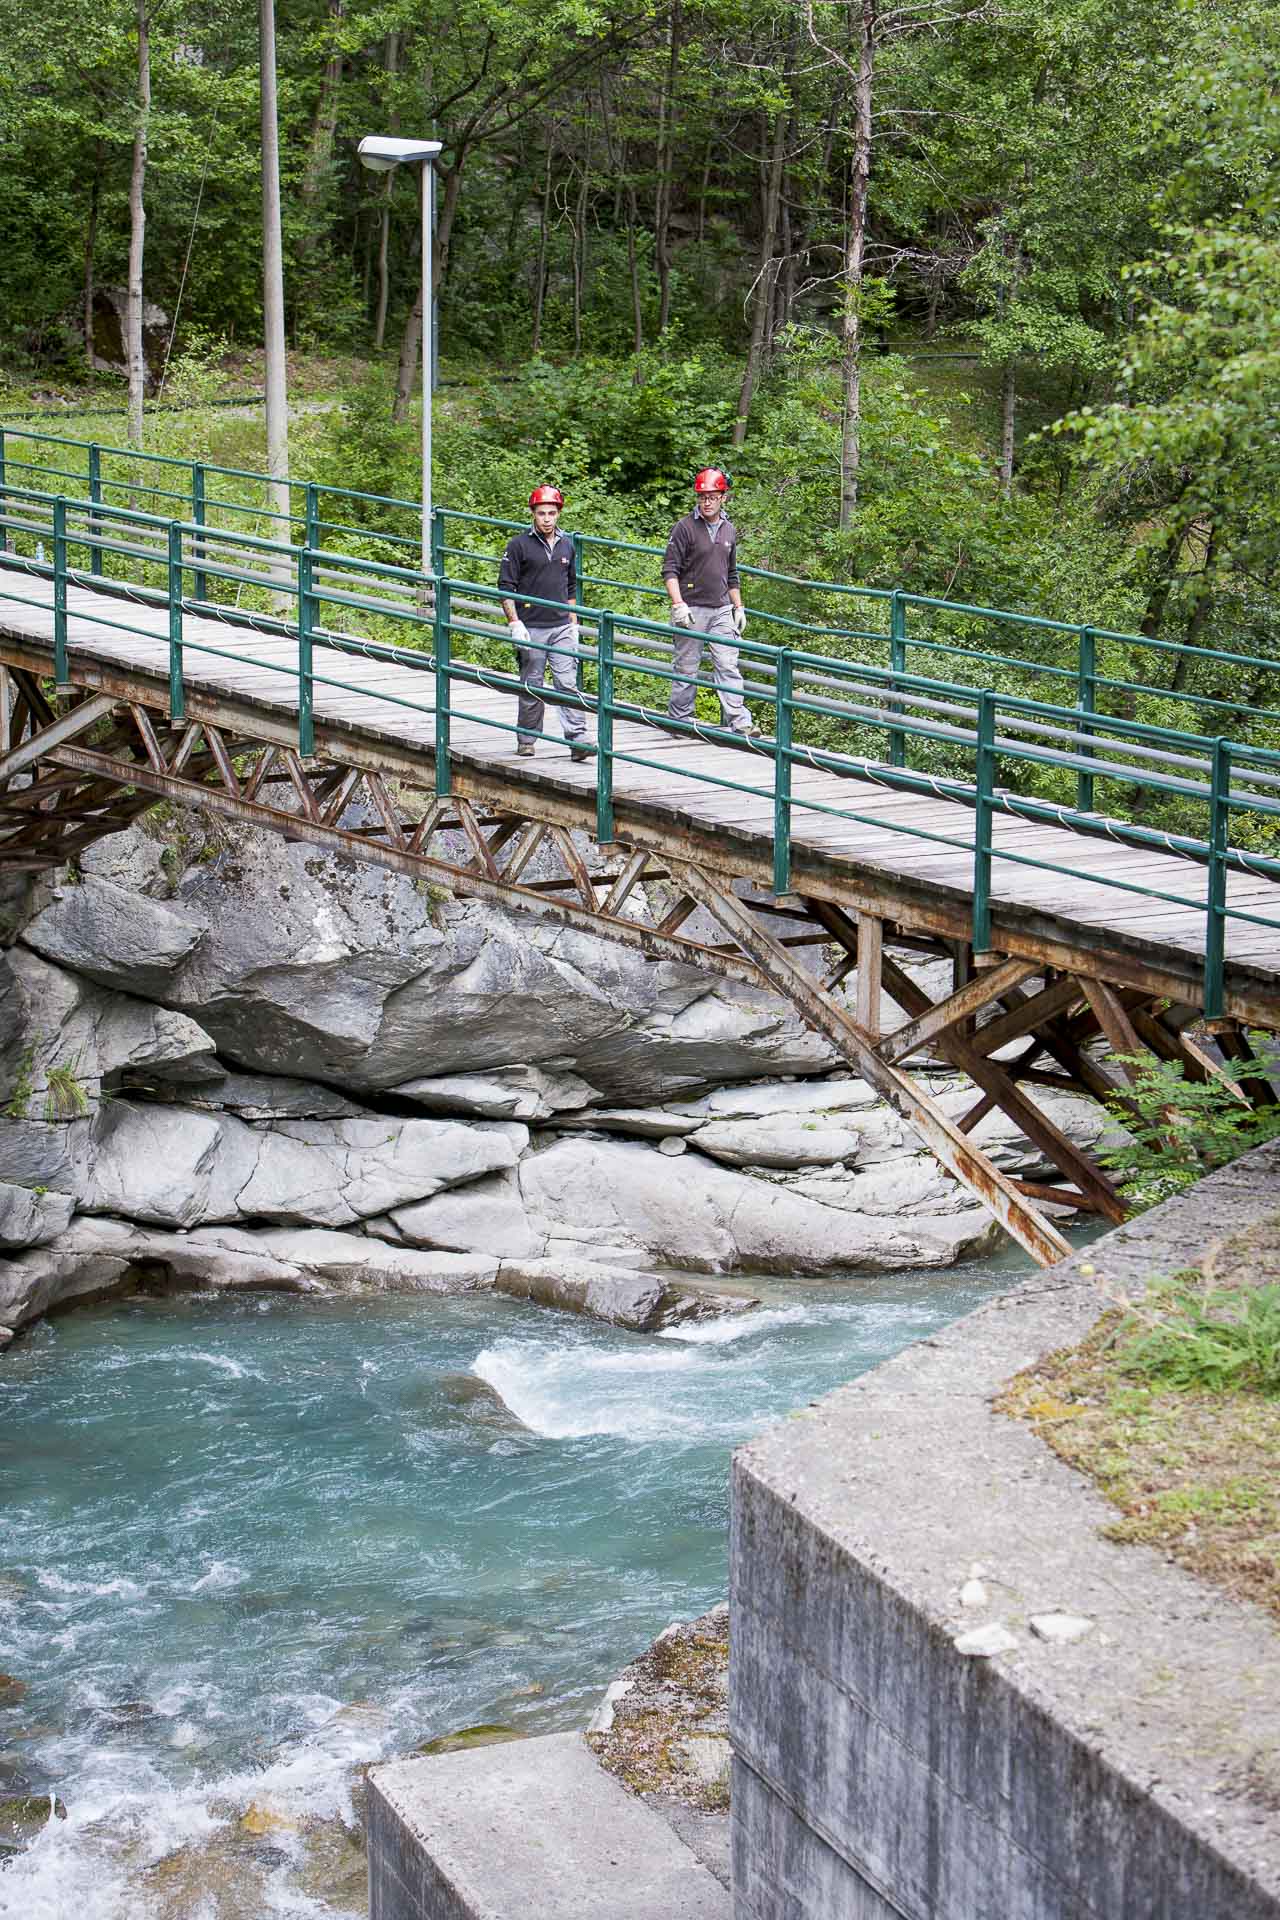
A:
[712, 626]
[533, 664]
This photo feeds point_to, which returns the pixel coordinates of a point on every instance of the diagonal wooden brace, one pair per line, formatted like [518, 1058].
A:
[825, 1014]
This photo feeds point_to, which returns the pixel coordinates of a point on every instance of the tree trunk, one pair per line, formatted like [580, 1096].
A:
[540, 278]
[637, 302]
[324, 125]
[137, 231]
[665, 153]
[854, 251]
[770, 192]
[273, 279]
[1008, 413]
[580, 245]
[91, 249]
[412, 338]
[391, 61]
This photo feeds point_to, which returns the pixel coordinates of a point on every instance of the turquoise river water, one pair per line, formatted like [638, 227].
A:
[251, 1542]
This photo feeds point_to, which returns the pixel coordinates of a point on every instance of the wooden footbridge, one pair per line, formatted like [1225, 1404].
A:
[366, 707]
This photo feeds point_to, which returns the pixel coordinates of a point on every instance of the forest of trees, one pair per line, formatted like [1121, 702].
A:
[978, 299]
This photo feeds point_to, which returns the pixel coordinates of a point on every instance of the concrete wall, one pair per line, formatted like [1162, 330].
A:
[881, 1772]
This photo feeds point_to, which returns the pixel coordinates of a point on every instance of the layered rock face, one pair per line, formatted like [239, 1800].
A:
[240, 1060]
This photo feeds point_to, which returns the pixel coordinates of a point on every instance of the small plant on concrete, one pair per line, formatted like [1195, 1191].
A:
[1189, 1334]
[65, 1098]
[1184, 1129]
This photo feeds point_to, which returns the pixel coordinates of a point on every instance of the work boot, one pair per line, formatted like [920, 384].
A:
[582, 749]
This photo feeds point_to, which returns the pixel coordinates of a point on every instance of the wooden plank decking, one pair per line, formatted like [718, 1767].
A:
[661, 783]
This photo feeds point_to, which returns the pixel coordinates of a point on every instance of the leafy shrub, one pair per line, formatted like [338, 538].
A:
[1183, 1129]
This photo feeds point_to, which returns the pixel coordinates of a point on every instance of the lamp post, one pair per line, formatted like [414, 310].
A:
[380, 152]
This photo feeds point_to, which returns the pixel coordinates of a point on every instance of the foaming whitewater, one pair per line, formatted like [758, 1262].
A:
[253, 1544]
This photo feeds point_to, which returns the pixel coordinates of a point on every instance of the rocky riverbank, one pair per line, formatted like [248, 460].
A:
[230, 1060]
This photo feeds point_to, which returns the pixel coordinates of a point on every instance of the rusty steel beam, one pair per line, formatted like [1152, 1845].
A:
[69, 727]
[826, 1016]
[648, 940]
[946, 1014]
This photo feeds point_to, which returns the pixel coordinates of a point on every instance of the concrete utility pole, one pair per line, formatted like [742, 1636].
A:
[273, 284]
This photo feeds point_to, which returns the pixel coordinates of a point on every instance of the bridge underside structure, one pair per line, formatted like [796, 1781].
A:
[1023, 1017]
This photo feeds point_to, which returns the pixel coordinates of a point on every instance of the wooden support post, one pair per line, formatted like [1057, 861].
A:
[866, 1007]
[971, 1167]
[1112, 1017]
[1234, 1044]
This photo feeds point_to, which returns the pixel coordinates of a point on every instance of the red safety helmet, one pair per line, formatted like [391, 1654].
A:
[711, 480]
[546, 497]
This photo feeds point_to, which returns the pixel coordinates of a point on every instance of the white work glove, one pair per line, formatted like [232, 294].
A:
[681, 616]
[739, 620]
[519, 633]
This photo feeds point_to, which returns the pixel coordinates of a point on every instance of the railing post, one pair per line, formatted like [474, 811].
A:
[4, 499]
[983, 812]
[60, 594]
[177, 698]
[437, 541]
[1215, 937]
[1086, 701]
[581, 665]
[604, 730]
[95, 501]
[443, 690]
[897, 665]
[306, 622]
[782, 775]
[198, 515]
[313, 517]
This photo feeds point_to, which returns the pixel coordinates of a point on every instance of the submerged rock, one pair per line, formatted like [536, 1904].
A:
[485, 1735]
[641, 1302]
[23, 1817]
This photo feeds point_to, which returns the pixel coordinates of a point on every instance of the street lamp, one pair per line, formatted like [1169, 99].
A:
[380, 152]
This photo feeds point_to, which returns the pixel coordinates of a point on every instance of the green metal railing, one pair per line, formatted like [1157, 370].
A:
[1004, 754]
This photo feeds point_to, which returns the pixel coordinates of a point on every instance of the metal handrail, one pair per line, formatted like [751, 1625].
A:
[803, 688]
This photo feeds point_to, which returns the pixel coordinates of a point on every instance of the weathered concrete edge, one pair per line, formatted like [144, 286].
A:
[865, 1741]
[529, 1827]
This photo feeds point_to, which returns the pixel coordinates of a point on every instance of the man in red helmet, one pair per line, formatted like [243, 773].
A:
[538, 566]
[700, 568]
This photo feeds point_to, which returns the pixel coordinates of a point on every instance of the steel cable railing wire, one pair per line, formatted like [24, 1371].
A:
[898, 700]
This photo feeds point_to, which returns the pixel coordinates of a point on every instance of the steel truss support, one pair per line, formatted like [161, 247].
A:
[67, 779]
[825, 1014]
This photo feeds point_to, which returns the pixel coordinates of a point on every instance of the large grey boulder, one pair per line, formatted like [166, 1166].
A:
[38, 1153]
[75, 1038]
[170, 1166]
[29, 1218]
[485, 1216]
[638, 1301]
[514, 1093]
[721, 1221]
[761, 1143]
[352, 1261]
[319, 967]
[115, 936]
[78, 1265]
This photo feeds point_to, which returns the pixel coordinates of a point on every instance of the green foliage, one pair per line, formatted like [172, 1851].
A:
[1188, 1334]
[24, 1082]
[1183, 1129]
[65, 1098]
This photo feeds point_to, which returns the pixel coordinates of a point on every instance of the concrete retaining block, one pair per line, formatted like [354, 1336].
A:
[529, 1830]
[881, 1772]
